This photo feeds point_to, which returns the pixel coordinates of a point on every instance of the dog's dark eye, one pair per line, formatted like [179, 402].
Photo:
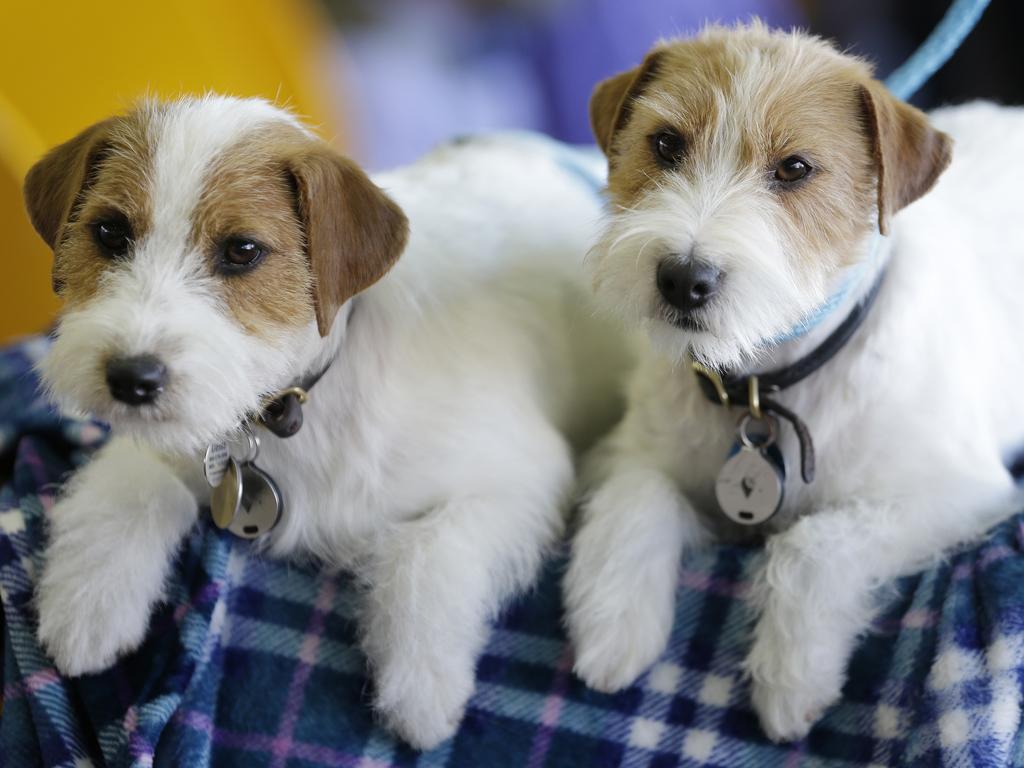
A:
[792, 169]
[241, 254]
[114, 236]
[669, 147]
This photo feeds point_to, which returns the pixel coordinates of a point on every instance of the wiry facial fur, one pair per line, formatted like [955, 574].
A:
[435, 456]
[743, 100]
[911, 420]
[224, 347]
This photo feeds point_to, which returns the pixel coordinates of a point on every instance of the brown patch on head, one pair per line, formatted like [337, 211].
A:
[328, 231]
[248, 196]
[612, 100]
[746, 98]
[684, 93]
[354, 232]
[909, 154]
[99, 173]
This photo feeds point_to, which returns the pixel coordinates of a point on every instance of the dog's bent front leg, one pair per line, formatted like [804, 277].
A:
[434, 586]
[112, 537]
[816, 593]
[621, 583]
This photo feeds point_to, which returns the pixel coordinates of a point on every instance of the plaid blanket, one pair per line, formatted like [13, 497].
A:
[254, 663]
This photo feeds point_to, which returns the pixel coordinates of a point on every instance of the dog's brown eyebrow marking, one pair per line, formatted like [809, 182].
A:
[249, 194]
[117, 181]
[650, 70]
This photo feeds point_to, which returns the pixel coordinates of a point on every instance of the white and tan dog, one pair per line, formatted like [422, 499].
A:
[750, 174]
[210, 252]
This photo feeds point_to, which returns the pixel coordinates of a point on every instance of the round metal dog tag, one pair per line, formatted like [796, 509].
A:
[215, 463]
[750, 485]
[260, 506]
[226, 497]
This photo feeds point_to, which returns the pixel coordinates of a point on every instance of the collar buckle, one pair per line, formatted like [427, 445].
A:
[299, 392]
[754, 398]
[716, 381]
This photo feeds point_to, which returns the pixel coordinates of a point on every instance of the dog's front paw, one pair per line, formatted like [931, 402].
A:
[617, 631]
[620, 586]
[89, 604]
[84, 626]
[611, 653]
[112, 539]
[789, 713]
[423, 700]
[790, 691]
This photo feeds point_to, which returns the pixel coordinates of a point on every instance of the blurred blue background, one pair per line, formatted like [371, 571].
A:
[386, 80]
[418, 72]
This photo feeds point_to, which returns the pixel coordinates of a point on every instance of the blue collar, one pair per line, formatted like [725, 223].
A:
[816, 316]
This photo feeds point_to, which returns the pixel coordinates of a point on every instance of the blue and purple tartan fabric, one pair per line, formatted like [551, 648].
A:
[253, 663]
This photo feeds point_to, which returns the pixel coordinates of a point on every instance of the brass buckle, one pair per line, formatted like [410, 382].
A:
[299, 392]
[754, 398]
[715, 378]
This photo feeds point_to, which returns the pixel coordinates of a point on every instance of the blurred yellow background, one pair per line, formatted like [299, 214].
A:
[65, 65]
[402, 75]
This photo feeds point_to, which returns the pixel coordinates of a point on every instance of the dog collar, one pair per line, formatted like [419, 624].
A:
[833, 302]
[731, 389]
[282, 414]
[244, 498]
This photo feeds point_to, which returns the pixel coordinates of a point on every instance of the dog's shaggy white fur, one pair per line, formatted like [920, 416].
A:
[436, 455]
[913, 421]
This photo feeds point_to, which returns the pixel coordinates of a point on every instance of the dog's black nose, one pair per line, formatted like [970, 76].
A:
[688, 285]
[136, 380]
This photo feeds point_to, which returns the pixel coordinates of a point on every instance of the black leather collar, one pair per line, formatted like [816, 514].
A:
[731, 389]
[282, 414]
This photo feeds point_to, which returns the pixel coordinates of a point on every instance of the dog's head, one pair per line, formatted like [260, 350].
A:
[203, 248]
[747, 169]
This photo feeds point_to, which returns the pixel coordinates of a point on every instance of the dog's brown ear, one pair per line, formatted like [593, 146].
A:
[54, 182]
[909, 153]
[354, 232]
[612, 99]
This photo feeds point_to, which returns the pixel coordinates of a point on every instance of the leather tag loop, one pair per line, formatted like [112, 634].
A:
[283, 416]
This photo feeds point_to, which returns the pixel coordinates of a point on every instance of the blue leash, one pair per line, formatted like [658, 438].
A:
[833, 302]
[961, 17]
[936, 50]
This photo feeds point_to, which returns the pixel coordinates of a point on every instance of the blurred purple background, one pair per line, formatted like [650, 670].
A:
[421, 71]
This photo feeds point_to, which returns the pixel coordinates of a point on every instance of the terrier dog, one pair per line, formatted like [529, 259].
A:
[750, 174]
[211, 253]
